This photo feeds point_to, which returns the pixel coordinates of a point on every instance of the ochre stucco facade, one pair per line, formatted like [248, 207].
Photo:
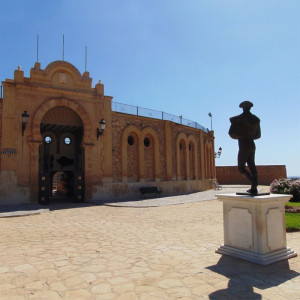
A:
[61, 139]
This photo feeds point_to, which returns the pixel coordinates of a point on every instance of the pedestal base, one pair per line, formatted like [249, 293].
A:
[254, 228]
[253, 195]
[261, 259]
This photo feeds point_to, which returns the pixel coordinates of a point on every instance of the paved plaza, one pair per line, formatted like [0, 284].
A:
[148, 250]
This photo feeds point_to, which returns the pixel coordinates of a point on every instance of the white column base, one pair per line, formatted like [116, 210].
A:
[254, 228]
[261, 259]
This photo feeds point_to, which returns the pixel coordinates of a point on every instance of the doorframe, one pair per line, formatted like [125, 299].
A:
[35, 140]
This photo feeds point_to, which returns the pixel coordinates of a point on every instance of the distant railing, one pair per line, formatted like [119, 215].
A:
[155, 114]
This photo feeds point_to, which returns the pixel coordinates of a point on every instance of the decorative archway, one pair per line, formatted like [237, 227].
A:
[64, 102]
[208, 160]
[149, 132]
[182, 156]
[140, 136]
[69, 109]
[124, 144]
[193, 161]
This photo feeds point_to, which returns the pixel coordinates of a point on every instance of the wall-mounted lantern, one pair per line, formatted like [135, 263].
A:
[25, 119]
[218, 154]
[102, 127]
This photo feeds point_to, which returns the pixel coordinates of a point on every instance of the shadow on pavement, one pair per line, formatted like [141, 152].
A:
[244, 276]
[35, 208]
[55, 204]
[59, 202]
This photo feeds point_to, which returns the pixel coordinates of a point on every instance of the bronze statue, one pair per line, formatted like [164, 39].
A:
[246, 128]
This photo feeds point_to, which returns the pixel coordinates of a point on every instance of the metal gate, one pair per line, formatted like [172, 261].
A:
[44, 187]
[78, 187]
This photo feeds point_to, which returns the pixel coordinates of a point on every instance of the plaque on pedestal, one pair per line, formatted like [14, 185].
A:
[254, 228]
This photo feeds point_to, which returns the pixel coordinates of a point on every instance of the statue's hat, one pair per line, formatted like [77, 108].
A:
[246, 105]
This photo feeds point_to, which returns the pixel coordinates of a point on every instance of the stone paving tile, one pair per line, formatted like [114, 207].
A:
[163, 252]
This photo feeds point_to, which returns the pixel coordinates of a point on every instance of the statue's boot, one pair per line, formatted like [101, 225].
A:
[253, 179]
[252, 191]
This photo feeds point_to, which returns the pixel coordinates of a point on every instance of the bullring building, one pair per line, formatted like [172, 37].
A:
[60, 134]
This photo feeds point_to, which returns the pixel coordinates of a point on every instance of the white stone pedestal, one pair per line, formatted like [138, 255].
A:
[254, 228]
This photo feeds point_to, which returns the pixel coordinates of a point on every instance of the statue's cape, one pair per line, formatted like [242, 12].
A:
[245, 126]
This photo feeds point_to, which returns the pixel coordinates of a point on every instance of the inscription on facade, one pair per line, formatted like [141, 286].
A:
[8, 151]
[62, 77]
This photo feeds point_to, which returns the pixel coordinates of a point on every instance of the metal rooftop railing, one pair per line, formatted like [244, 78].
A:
[155, 114]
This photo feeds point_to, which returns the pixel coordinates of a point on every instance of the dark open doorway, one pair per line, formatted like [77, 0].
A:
[62, 189]
[61, 163]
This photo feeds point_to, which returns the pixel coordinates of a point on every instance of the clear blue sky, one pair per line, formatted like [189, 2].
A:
[184, 57]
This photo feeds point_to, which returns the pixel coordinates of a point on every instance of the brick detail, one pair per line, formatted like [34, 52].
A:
[149, 160]
[191, 149]
[132, 162]
[152, 161]
[182, 160]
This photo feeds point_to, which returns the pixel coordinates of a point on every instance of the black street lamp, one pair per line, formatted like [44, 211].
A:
[218, 154]
[102, 128]
[210, 115]
[25, 119]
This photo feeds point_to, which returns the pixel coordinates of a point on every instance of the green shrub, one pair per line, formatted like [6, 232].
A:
[286, 186]
[295, 190]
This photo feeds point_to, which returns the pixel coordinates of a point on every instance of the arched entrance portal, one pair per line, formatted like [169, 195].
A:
[61, 157]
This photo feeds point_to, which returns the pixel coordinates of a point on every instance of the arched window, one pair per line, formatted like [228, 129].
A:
[192, 160]
[133, 157]
[149, 158]
[183, 162]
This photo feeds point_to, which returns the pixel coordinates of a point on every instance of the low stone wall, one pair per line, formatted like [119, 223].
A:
[266, 174]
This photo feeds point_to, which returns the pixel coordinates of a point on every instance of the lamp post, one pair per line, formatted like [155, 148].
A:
[218, 154]
[210, 115]
[25, 119]
[102, 128]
